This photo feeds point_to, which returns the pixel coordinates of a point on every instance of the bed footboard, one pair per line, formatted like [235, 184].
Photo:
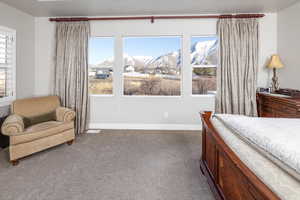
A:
[228, 177]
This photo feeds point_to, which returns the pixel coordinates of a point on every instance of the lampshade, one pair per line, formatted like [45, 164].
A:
[275, 62]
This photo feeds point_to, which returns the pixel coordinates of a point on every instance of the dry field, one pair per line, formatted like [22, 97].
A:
[203, 84]
[152, 86]
[100, 86]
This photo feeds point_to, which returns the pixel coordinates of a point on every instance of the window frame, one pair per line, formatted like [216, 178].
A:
[118, 73]
[181, 36]
[5, 101]
[192, 67]
[113, 67]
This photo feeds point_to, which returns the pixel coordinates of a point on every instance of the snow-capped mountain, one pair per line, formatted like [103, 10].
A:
[202, 53]
[104, 64]
[138, 62]
[170, 60]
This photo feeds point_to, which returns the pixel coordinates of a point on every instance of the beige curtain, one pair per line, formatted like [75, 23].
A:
[71, 69]
[237, 74]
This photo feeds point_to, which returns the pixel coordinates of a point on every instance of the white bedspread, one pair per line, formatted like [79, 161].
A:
[278, 138]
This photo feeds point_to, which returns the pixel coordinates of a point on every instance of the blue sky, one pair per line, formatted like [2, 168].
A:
[102, 48]
[201, 39]
[151, 46]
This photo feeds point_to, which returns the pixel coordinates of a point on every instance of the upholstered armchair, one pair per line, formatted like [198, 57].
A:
[37, 124]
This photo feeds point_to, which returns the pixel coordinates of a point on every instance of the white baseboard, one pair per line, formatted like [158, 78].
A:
[189, 127]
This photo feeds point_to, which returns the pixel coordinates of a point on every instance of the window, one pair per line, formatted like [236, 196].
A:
[204, 60]
[101, 62]
[152, 66]
[7, 65]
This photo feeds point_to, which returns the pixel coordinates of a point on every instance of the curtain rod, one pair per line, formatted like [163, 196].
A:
[152, 18]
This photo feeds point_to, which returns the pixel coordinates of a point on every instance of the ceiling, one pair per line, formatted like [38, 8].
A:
[53, 8]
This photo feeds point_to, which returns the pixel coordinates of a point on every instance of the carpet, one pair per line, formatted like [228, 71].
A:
[111, 165]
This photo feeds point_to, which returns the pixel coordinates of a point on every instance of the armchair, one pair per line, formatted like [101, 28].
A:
[37, 124]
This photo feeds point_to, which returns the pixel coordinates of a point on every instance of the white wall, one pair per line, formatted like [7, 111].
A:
[268, 46]
[289, 46]
[148, 112]
[44, 59]
[24, 26]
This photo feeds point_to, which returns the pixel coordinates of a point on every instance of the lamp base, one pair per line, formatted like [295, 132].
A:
[275, 82]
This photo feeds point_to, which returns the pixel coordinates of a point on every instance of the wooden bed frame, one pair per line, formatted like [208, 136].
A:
[228, 177]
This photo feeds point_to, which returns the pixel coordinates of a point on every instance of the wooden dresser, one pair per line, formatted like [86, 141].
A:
[269, 105]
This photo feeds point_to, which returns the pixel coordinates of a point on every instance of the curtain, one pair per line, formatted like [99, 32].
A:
[71, 69]
[237, 74]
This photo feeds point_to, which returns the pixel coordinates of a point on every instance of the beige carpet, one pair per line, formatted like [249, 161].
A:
[112, 165]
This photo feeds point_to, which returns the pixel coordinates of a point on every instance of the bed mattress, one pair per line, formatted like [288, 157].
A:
[279, 180]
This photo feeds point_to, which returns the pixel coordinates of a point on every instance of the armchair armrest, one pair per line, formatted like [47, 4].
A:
[13, 125]
[65, 114]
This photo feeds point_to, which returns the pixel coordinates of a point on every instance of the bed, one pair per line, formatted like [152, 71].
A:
[238, 167]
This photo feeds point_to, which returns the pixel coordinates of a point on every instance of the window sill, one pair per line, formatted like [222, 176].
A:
[102, 95]
[203, 95]
[149, 96]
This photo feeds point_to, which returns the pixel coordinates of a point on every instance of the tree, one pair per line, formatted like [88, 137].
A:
[205, 71]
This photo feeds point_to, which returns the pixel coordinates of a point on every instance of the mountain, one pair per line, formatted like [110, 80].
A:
[169, 60]
[106, 64]
[138, 62]
[202, 53]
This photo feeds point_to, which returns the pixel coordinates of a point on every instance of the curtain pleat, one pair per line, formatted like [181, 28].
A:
[71, 69]
[237, 74]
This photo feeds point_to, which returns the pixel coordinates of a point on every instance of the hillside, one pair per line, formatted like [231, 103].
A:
[202, 53]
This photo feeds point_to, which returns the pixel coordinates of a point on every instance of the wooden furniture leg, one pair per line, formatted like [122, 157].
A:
[14, 162]
[70, 142]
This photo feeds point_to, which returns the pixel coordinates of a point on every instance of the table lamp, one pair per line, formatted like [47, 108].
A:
[275, 63]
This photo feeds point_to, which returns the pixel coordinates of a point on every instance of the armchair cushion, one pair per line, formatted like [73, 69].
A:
[41, 130]
[65, 114]
[30, 121]
[13, 125]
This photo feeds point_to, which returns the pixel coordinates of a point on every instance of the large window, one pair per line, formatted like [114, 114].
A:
[152, 66]
[101, 62]
[204, 60]
[7, 64]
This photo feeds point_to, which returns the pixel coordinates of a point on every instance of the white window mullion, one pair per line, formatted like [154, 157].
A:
[118, 84]
[187, 73]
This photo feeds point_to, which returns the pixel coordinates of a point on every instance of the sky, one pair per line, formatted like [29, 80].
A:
[151, 46]
[202, 39]
[102, 48]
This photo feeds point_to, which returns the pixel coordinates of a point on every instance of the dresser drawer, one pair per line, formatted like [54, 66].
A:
[283, 108]
[267, 114]
[273, 106]
[280, 114]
